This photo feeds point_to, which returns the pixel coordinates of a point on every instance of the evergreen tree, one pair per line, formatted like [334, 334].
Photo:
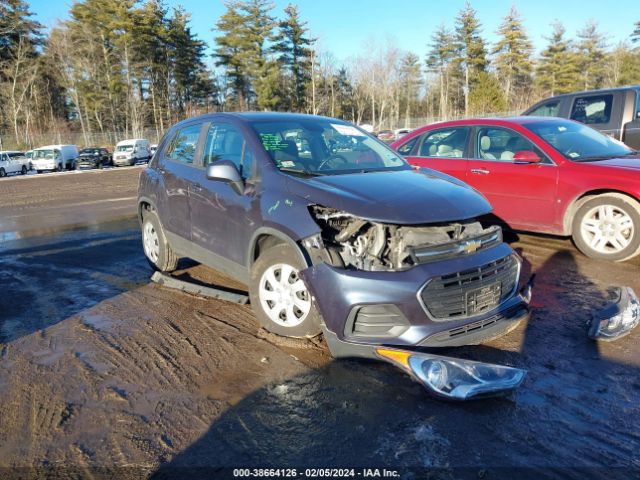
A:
[513, 55]
[411, 80]
[246, 29]
[16, 24]
[558, 67]
[486, 96]
[635, 36]
[591, 51]
[293, 46]
[439, 59]
[344, 95]
[471, 52]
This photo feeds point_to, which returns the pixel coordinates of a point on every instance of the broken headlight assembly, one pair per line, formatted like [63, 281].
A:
[454, 378]
[618, 318]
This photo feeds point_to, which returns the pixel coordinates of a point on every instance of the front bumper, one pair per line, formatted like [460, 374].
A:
[87, 162]
[393, 298]
[123, 161]
[44, 164]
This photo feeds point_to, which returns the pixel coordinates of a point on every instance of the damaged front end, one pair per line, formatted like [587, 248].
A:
[354, 242]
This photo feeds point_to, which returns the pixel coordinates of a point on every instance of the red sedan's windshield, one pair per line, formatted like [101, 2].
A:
[578, 142]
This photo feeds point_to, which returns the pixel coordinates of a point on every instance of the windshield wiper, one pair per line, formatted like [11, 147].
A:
[605, 157]
[300, 171]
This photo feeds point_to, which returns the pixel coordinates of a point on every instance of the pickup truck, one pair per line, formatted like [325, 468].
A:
[614, 112]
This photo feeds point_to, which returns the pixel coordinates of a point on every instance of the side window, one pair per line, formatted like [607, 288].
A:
[226, 142]
[182, 147]
[591, 110]
[637, 103]
[549, 109]
[449, 143]
[502, 144]
[406, 148]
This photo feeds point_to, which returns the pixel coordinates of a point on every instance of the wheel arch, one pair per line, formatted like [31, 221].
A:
[585, 197]
[267, 237]
[144, 204]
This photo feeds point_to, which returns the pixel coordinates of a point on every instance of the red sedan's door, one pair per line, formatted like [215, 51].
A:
[523, 195]
[444, 150]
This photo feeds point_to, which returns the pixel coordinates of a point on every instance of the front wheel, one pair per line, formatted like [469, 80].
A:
[279, 297]
[3, 173]
[155, 244]
[608, 228]
[23, 171]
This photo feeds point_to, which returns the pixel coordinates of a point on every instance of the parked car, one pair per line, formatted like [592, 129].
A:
[153, 148]
[128, 152]
[615, 112]
[386, 135]
[94, 157]
[400, 132]
[357, 242]
[546, 175]
[54, 157]
[12, 161]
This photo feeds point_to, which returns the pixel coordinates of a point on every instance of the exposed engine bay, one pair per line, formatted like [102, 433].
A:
[352, 242]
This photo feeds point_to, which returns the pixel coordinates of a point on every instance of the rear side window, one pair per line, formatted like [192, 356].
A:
[549, 109]
[182, 147]
[448, 143]
[592, 110]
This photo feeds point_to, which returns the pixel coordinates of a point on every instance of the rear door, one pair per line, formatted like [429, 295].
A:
[443, 149]
[221, 217]
[522, 195]
[178, 171]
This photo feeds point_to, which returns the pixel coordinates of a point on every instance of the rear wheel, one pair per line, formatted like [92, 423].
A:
[23, 170]
[608, 227]
[155, 244]
[2, 172]
[279, 297]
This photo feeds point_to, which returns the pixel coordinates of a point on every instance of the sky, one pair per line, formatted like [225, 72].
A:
[348, 28]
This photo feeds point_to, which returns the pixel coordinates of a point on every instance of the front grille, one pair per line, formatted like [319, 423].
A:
[471, 292]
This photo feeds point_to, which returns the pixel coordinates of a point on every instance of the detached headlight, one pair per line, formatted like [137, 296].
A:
[455, 378]
[618, 318]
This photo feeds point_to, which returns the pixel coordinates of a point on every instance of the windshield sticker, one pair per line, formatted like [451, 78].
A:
[347, 130]
[287, 164]
[574, 154]
[272, 142]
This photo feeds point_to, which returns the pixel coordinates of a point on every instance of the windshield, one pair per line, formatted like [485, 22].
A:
[324, 147]
[44, 154]
[578, 142]
[124, 148]
[89, 151]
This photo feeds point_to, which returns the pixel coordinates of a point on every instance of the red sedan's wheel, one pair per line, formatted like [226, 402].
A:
[608, 227]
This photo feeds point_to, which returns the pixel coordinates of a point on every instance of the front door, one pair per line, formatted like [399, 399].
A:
[221, 218]
[522, 194]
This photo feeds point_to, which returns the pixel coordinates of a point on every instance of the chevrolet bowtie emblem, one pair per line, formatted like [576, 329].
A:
[471, 246]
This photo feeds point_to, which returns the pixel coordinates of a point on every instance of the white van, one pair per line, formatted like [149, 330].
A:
[54, 157]
[13, 161]
[128, 152]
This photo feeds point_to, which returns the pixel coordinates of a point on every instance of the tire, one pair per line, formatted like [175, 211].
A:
[155, 245]
[266, 275]
[59, 167]
[23, 171]
[608, 228]
[38, 171]
[2, 172]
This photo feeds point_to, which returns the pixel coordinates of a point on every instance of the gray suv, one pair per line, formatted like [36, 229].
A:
[331, 230]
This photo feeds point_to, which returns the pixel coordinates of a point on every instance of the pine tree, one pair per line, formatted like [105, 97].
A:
[486, 96]
[513, 55]
[246, 29]
[293, 46]
[471, 52]
[410, 80]
[439, 60]
[591, 50]
[16, 24]
[558, 67]
[635, 36]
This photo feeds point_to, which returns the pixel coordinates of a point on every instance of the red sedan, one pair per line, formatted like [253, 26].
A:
[544, 175]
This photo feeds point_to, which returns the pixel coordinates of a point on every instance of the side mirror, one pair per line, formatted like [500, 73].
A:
[526, 156]
[227, 172]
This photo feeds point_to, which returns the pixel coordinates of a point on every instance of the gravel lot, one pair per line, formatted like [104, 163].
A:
[101, 369]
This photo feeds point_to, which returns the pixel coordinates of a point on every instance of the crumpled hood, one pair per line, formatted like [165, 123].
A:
[399, 197]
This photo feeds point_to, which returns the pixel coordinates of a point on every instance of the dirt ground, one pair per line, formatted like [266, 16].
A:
[105, 374]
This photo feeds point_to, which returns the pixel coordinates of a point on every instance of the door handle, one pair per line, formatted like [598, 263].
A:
[197, 187]
[480, 171]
